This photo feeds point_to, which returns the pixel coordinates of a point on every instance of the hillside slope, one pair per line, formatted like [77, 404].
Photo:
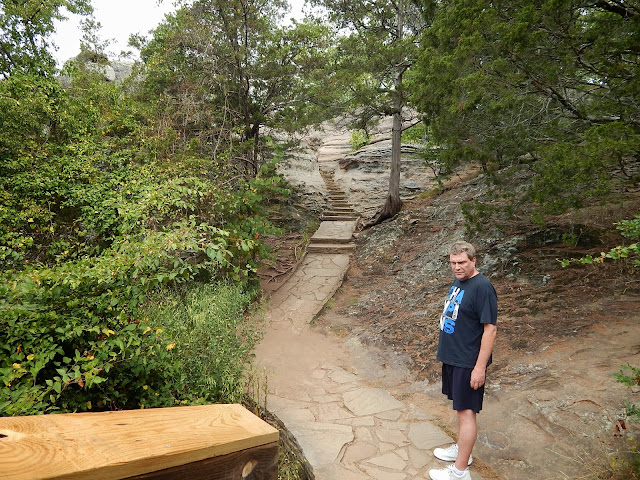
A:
[553, 408]
[552, 401]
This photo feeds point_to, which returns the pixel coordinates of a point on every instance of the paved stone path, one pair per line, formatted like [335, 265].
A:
[349, 410]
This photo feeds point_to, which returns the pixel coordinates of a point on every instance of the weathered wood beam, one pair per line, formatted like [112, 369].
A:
[212, 441]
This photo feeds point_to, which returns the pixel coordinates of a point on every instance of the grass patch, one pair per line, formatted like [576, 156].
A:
[624, 466]
[212, 336]
[289, 466]
[214, 329]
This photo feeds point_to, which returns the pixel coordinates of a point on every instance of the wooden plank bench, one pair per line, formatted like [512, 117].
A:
[201, 442]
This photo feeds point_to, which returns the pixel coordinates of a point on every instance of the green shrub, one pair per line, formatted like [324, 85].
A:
[100, 206]
[213, 337]
[629, 229]
[630, 376]
[71, 335]
[359, 138]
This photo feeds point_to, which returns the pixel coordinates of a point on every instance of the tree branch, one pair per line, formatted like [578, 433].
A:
[616, 7]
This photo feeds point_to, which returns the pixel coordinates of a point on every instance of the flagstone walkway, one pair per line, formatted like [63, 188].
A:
[349, 410]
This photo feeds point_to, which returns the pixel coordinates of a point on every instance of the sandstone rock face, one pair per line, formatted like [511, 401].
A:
[106, 71]
[121, 69]
[364, 174]
[114, 71]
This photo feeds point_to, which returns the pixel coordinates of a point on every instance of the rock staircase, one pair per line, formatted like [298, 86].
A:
[335, 234]
[341, 209]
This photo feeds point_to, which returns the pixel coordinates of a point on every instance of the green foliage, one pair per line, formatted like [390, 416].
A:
[627, 464]
[629, 229]
[418, 134]
[218, 91]
[289, 466]
[212, 337]
[24, 30]
[359, 138]
[623, 466]
[543, 95]
[587, 167]
[376, 45]
[100, 209]
[76, 326]
[630, 376]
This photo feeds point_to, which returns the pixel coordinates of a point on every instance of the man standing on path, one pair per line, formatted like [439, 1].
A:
[467, 334]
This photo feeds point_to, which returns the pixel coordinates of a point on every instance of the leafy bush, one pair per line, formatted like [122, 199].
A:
[359, 138]
[625, 463]
[213, 338]
[569, 175]
[100, 210]
[630, 376]
[73, 327]
[629, 229]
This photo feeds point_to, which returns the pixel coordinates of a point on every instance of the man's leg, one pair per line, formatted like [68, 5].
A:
[467, 433]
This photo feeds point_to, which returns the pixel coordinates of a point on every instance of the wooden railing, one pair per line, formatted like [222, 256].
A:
[213, 442]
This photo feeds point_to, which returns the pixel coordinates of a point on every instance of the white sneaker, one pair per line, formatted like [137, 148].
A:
[448, 474]
[450, 454]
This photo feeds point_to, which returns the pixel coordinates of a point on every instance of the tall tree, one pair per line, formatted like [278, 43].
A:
[24, 30]
[378, 46]
[227, 69]
[546, 92]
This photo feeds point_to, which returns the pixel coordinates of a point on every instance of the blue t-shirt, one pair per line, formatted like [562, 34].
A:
[469, 305]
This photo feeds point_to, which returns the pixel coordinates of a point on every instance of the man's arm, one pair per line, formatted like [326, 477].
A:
[486, 347]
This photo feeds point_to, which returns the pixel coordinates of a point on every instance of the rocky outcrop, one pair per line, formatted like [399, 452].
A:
[363, 175]
[114, 71]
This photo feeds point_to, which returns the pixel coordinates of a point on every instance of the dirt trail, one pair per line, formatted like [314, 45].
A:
[344, 404]
[553, 409]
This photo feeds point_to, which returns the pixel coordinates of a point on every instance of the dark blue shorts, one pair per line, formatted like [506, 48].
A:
[456, 385]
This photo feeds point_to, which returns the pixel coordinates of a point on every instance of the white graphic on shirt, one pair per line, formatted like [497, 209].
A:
[451, 307]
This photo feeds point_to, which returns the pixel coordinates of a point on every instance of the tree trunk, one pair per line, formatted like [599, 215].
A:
[393, 204]
[255, 132]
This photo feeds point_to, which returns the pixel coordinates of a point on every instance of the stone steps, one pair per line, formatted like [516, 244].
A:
[337, 198]
[341, 213]
[331, 248]
[335, 234]
[337, 218]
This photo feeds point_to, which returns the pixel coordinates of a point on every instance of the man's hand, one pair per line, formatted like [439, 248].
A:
[478, 377]
[486, 346]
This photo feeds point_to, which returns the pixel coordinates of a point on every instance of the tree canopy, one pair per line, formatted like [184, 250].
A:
[226, 69]
[547, 88]
[25, 28]
[103, 205]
